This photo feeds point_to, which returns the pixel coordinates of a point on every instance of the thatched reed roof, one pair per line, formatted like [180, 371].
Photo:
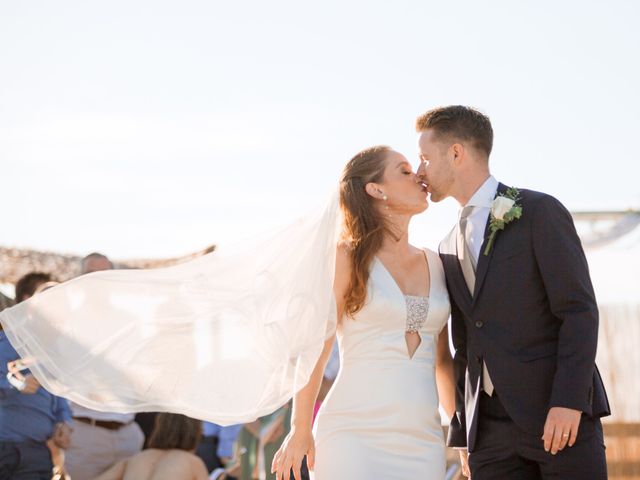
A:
[16, 262]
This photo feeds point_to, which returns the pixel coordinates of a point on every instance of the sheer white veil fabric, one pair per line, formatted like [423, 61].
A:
[227, 337]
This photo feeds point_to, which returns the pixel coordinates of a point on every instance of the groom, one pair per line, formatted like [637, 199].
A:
[524, 319]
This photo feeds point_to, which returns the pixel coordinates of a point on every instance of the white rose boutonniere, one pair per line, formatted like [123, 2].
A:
[501, 206]
[504, 209]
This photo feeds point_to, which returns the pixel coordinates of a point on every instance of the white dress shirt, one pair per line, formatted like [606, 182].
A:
[477, 220]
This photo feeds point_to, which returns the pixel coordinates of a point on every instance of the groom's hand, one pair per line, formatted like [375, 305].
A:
[464, 463]
[561, 429]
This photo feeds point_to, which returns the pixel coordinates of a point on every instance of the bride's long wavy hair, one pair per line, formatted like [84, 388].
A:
[364, 226]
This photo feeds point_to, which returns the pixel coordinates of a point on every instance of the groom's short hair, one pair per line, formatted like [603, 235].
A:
[457, 122]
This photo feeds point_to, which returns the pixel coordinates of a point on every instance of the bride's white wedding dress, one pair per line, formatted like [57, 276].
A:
[381, 419]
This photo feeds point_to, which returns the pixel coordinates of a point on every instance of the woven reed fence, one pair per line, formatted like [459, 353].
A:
[623, 450]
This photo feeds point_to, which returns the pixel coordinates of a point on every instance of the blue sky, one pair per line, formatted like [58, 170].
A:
[147, 129]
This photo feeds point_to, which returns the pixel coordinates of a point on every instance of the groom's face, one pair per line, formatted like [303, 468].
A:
[436, 165]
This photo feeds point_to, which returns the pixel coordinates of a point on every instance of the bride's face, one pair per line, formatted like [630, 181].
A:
[406, 194]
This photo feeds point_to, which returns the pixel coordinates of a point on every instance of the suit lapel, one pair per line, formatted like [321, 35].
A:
[483, 260]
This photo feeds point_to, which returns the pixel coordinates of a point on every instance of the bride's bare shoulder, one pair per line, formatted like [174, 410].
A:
[346, 245]
[343, 264]
[343, 254]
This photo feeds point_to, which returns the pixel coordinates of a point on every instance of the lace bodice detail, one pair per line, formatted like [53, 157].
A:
[417, 310]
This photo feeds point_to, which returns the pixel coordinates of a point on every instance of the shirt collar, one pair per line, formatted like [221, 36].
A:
[485, 195]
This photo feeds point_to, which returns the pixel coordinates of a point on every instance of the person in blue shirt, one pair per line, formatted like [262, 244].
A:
[216, 445]
[29, 418]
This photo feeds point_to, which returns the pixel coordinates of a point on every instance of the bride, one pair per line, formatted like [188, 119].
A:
[232, 335]
[380, 419]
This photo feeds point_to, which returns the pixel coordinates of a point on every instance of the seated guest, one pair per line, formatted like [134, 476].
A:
[30, 417]
[170, 455]
[146, 421]
[216, 445]
[27, 285]
[100, 439]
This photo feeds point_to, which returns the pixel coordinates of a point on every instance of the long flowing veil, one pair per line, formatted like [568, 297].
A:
[227, 337]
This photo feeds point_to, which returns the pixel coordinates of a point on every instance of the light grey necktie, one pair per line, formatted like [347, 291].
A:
[469, 263]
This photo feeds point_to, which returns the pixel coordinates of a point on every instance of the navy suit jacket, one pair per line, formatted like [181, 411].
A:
[533, 320]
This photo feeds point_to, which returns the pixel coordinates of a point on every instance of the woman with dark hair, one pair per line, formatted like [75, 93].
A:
[170, 455]
[380, 419]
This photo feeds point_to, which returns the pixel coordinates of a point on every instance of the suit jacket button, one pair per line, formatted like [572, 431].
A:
[478, 359]
[479, 324]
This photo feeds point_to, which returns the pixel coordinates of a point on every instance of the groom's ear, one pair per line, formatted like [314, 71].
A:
[457, 151]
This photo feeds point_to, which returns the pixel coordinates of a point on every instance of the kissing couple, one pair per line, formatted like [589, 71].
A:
[522, 390]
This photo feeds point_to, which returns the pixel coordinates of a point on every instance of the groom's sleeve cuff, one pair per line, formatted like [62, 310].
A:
[457, 436]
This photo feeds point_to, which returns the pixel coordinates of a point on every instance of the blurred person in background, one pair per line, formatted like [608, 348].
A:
[259, 441]
[146, 421]
[33, 423]
[100, 439]
[5, 302]
[56, 448]
[27, 285]
[171, 453]
[216, 445]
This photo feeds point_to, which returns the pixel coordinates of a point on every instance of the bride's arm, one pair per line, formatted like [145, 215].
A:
[444, 374]
[299, 442]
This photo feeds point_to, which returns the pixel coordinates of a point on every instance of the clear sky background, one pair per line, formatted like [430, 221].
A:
[155, 128]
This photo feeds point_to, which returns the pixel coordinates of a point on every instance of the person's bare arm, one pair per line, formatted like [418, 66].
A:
[444, 374]
[299, 442]
[116, 472]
